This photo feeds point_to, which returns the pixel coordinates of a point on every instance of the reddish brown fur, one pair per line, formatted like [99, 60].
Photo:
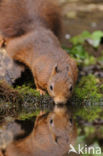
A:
[1, 153]
[28, 25]
[47, 139]
[19, 17]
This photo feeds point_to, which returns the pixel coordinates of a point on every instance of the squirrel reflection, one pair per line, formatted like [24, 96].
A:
[51, 136]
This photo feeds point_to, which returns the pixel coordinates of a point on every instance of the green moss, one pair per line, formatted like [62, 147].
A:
[100, 131]
[101, 88]
[89, 130]
[24, 116]
[24, 90]
[89, 114]
[23, 99]
[88, 88]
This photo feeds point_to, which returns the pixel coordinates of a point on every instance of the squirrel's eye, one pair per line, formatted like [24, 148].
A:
[51, 121]
[51, 87]
[71, 88]
[71, 120]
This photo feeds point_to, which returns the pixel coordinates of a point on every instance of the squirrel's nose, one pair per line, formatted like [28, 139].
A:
[60, 100]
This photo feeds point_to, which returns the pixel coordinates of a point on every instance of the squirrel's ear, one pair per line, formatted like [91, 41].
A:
[67, 68]
[55, 70]
[40, 117]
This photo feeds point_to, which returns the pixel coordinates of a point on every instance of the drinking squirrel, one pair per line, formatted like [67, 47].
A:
[31, 30]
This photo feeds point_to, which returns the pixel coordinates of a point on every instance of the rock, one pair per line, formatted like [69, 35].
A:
[8, 133]
[6, 138]
[9, 70]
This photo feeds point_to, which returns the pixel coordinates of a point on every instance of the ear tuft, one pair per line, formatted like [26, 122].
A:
[55, 70]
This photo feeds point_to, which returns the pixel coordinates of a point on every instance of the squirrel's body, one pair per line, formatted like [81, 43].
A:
[20, 17]
[50, 137]
[30, 31]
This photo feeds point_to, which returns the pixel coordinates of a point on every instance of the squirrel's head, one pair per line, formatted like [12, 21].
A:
[60, 85]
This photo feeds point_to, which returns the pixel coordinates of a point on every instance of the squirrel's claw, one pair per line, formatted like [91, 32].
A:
[42, 92]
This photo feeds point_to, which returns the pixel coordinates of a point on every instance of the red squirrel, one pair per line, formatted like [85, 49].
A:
[52, 135]
[30, 28]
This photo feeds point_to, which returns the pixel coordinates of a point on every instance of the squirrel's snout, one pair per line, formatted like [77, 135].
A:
[60, 100]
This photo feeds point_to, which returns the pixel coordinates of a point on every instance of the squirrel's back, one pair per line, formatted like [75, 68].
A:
[18, 17]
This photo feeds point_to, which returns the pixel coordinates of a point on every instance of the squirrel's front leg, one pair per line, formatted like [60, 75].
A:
[2, 41]
[1, 153]
[41, 91]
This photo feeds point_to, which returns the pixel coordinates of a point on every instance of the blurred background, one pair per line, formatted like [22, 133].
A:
[80, 15]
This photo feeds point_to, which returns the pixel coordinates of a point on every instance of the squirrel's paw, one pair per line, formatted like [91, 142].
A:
[42, 92]
[2, 42]
[1, 153]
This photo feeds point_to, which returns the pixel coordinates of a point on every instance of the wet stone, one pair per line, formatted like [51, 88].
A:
[6, 138]
[9, 70]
